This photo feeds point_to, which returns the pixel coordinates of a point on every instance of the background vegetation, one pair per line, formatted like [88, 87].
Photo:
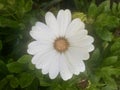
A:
[102, 18]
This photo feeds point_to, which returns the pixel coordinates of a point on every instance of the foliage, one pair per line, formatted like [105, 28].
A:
[102, 69]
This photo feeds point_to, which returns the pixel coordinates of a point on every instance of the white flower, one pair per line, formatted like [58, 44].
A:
[60, 45]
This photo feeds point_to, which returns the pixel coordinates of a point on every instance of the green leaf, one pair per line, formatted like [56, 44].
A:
[3, 69]
[14, 82]
[34, 85]
[26, 79]
[115, 46]
[95, 54]
[92, 87]
[57, 87]
[110, 60]
[23, 6]
[104, 24]
[11, 2]
[109, 70]
[111, 84]
[119, 9]
[104, 34]
[104, 6]
[28, 5]
[1, 6]
[3, 82]
[31, 66]
[44, 83]
[94, 77]
[25, 59]
[107, 74]
[15, 67]
[94, 60]
[0, 44]
[114, 8]
[77, 4]
[106, 21]
[93, 10]
[80, 15]
[5, 22]
[71, 88]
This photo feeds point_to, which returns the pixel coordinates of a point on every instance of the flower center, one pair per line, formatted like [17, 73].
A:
[61, 44]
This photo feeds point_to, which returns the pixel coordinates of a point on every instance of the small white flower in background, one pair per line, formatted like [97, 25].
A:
[60, 45]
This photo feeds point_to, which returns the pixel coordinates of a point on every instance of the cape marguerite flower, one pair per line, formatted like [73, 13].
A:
[60, 45]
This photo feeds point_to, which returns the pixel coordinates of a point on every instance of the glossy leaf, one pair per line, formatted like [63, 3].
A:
[15, 67]
[5, 22]
[24, 59]
[93, 10]
[26, 79]
[14, 82]
[110, 60]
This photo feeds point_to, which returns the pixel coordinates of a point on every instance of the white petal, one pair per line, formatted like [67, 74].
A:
[41, 32]
[52, 23]
[79, 53]
[88, 48]
[37, 58]
[49, 64]
[74, 61]
[82, 66]
[78, 35]
[37, 46]
[45, 67]
[44, 58]
[80, 42]
[75, 26]
[41, 25]
[64, 68]
[63, 19]
[88, 38]
[54, 67]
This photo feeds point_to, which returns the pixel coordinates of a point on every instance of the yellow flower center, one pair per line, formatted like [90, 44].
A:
[61, 44]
